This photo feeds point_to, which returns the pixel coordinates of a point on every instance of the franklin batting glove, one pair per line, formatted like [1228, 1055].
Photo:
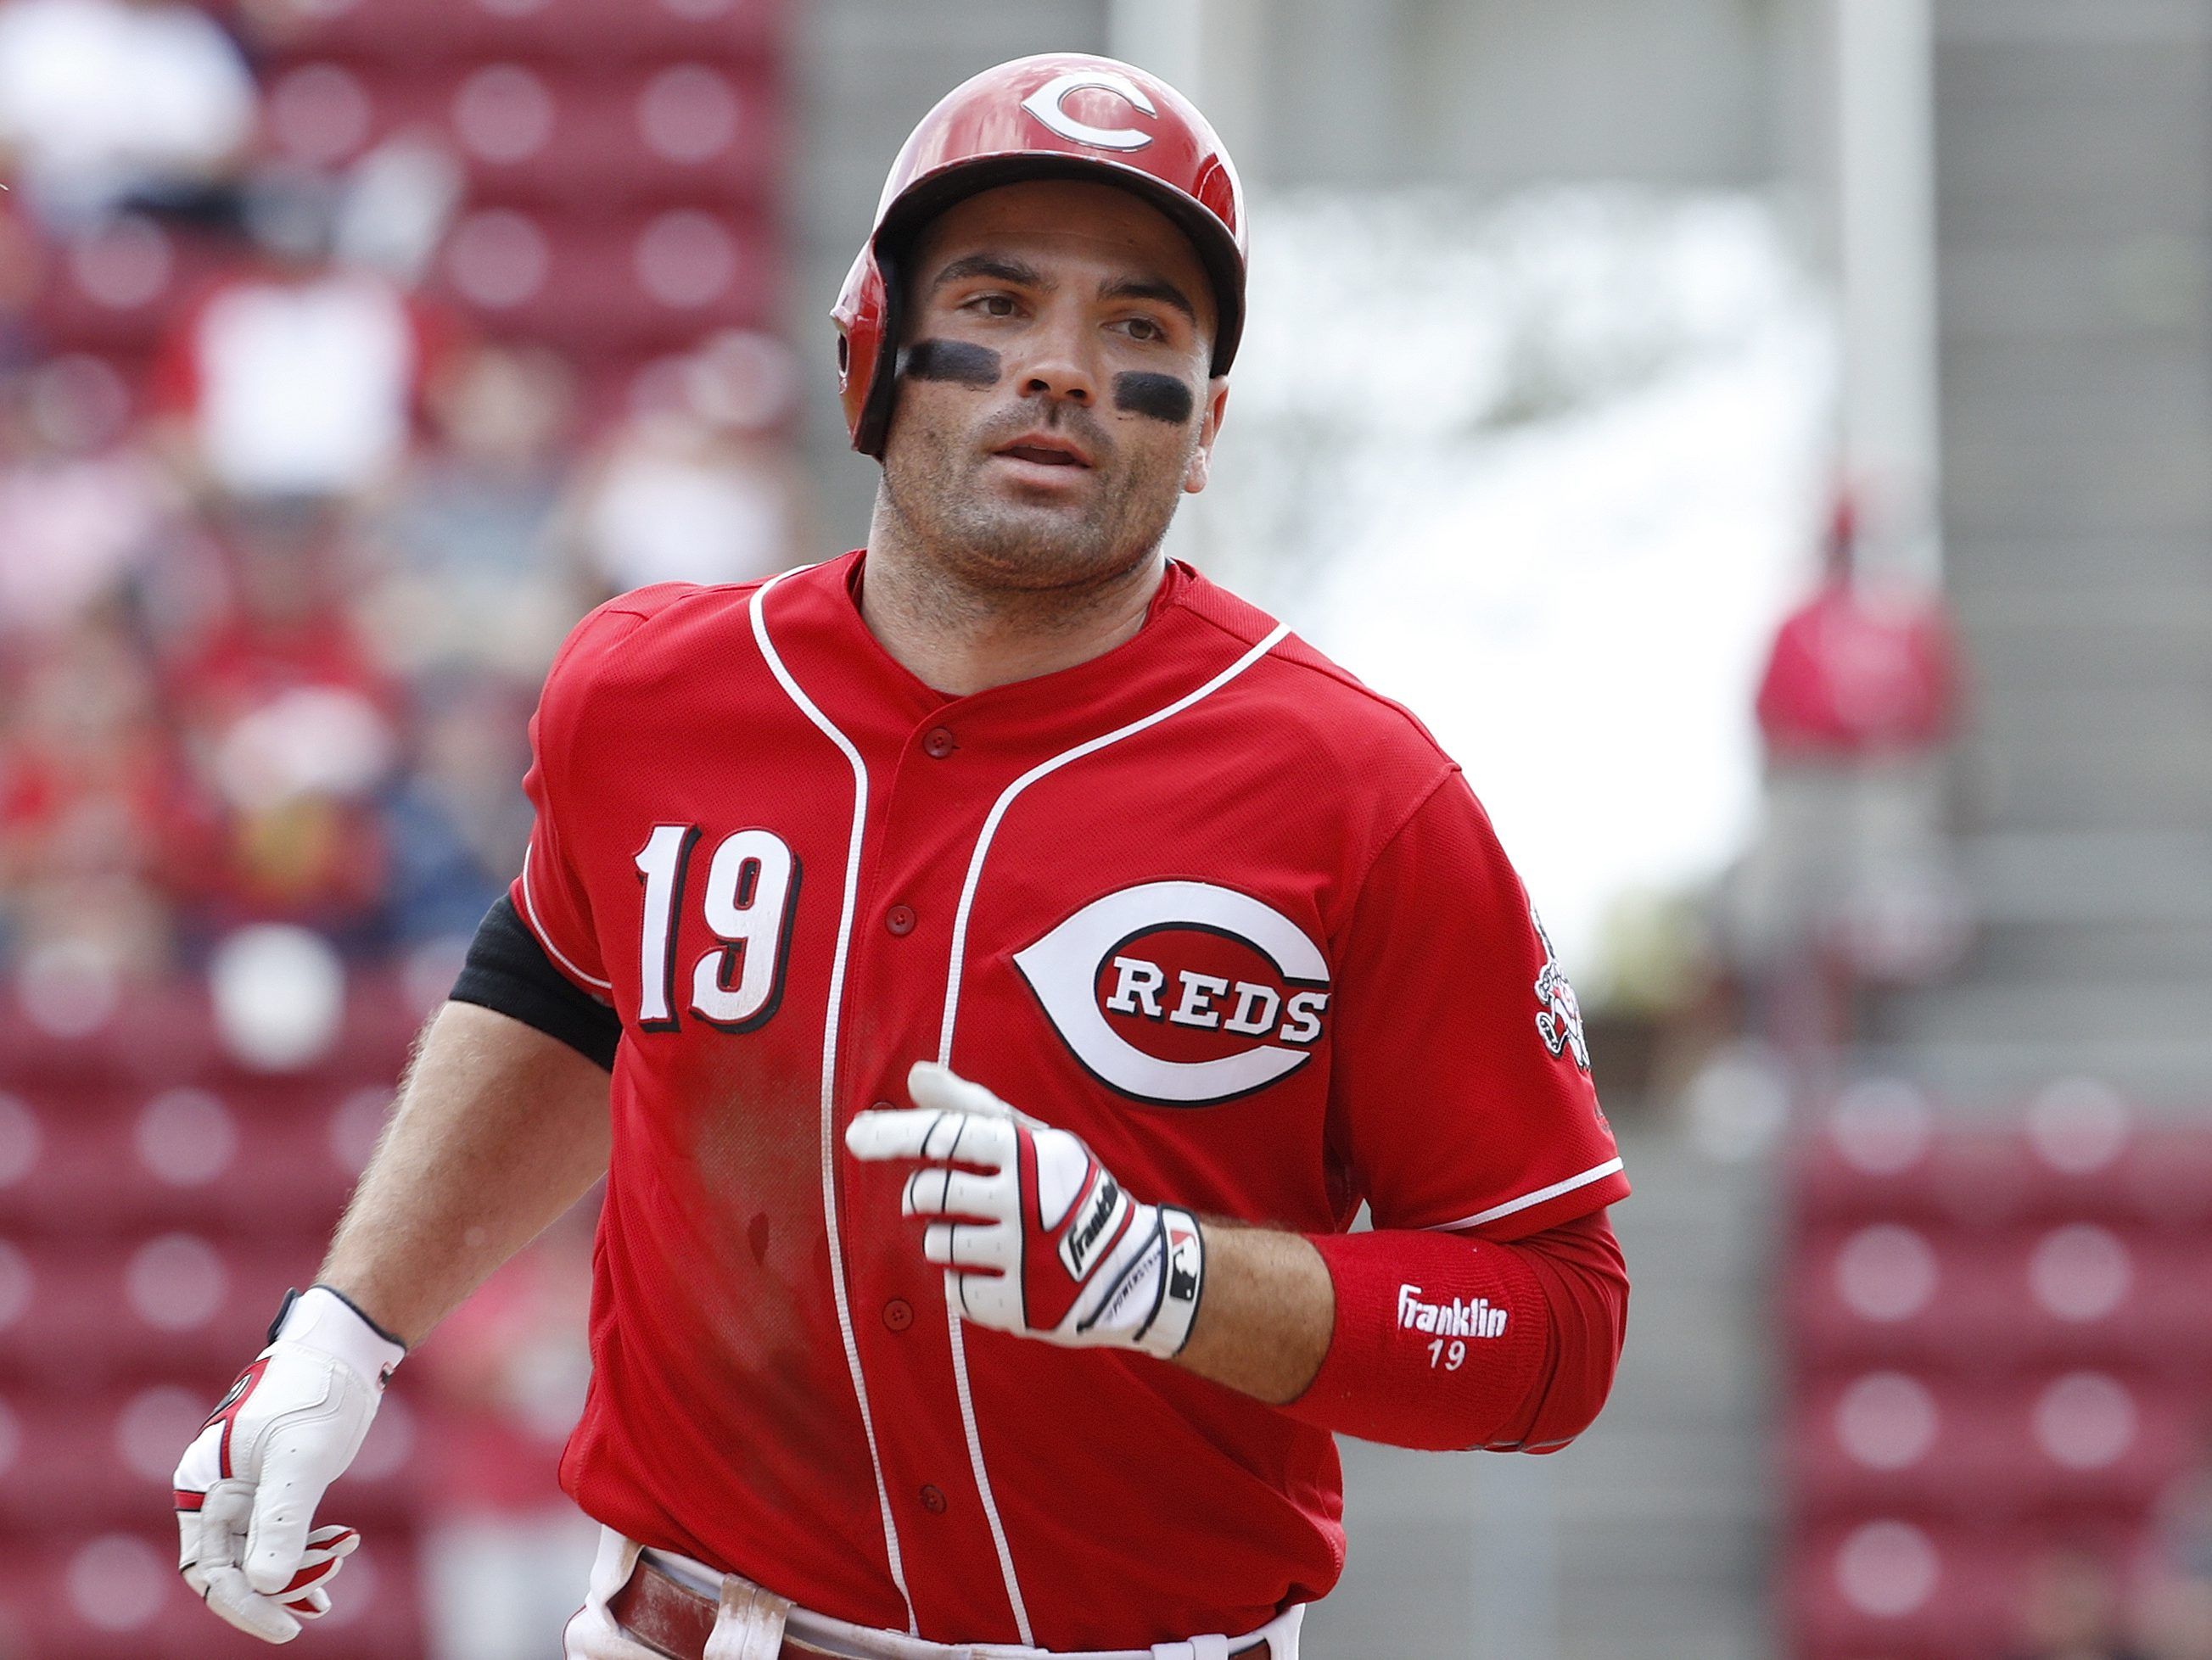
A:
[248, 1485]
[1035, 1235]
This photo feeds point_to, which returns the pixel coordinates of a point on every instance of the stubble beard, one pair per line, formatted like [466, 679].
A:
[989, 541]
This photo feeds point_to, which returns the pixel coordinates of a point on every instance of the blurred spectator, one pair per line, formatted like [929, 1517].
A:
[297, 376]
[1850, 883]
[79, 510]
[2184, 1522]
[22, 270]
[274, 609]
[457, 821]
[1857, 672]
[111, 103]
[2073, 1612]
[2179, 1624]
[91, 805]
[291, 730]
[398, 204]
[2180, 1615]
[470, 536]
[506, 1549]
[701, 485]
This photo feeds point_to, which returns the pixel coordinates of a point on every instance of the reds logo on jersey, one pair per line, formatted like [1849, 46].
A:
[1181, 993]
[1561, 1021]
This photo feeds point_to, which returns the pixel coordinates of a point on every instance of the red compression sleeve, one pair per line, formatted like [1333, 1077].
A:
[1448, 1341]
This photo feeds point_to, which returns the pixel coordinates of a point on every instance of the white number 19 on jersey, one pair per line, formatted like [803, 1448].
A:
[751, 897]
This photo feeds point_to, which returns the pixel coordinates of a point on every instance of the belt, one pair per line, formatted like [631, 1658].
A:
[670, 1618]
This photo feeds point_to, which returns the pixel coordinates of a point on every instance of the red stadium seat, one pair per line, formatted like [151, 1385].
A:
[2001, 1337]
[1878, 1154]
[2074, 1444]
[246, 1157]
[1886, 1293]
[1986, 1178]
[2085, 1291]
[2036, 1296]
[532, 135]
[67, 1472]
[1868, 1158]
[2165, 1174]
[176, 1305]
[1887, 1441]
[584, 30]
[1856, 1173]
[167, 1037]
[112, 293]
[1899, 1588]
[75, 1460]
[681, 133]
[2093, 1442]
[623, 286]
[117, 1595]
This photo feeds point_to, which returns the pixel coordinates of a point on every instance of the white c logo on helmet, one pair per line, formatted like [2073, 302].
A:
[1045, 103]
[1277, 1023]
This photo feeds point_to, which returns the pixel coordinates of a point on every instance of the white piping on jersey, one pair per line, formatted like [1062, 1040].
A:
[546, 939]
[975, 1463]
[1595, 1173]
[1006, 799]
[828, 1078]
[991, 823]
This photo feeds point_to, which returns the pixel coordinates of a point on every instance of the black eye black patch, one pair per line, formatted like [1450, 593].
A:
[955, 361]
[1162, 397]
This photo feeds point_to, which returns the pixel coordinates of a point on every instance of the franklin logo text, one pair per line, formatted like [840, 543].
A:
[1456, 1319]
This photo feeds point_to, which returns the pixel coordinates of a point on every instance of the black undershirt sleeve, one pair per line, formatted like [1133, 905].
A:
[508, 971]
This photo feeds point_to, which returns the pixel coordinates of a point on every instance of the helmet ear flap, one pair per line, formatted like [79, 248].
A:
[872, 425]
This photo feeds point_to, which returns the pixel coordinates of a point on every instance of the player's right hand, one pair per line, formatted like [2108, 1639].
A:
[248, 1485]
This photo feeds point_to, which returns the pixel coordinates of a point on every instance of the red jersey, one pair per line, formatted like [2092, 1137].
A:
[1204, 900]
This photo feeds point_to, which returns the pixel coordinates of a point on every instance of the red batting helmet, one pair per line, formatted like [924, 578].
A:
[1057, 115]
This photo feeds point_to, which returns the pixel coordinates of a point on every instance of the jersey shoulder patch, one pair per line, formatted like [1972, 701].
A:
[1560, 1020]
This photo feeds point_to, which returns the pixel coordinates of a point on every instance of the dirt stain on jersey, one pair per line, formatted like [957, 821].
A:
[762, 1289]
[755, 1152]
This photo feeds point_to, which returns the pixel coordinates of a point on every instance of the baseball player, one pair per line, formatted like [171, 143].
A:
[1016, 960]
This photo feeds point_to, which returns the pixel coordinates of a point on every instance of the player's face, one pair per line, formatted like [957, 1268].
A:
[1053, 396]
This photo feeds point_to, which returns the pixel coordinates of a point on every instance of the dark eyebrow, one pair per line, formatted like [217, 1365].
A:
[1150, 287]
[1004, 267]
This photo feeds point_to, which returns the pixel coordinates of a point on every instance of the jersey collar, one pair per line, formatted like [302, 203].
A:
[813, 616]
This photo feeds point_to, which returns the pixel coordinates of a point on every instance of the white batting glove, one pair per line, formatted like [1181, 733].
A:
[1036, 1236]
[248, 1485]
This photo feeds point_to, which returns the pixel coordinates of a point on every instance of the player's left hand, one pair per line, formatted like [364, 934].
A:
[1035, 1235]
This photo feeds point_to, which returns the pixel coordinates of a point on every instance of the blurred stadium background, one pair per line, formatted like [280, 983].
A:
[1771, 440]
